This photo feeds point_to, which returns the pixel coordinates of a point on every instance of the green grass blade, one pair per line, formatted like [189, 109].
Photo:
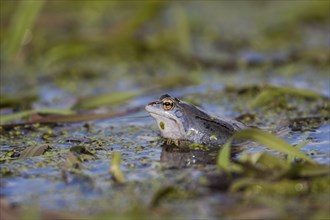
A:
[272, 142]
[224, 156]
[269, 140]
[22, 21]
[20, 115]
[182, 29]
[304, 93]
[271, 93]
[107, 99]
[265, 97]
[298, 146]
[115, 170]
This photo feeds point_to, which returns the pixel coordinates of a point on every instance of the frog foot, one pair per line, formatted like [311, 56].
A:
[170, 142]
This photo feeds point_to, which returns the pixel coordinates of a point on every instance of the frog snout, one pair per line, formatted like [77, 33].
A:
[150, 107]
[152, 103]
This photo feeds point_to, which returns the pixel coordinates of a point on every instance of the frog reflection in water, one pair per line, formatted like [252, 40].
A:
[180, 121]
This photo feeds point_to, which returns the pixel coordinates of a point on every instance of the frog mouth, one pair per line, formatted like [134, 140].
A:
[153, 114]
[162, 117]
[149, 108]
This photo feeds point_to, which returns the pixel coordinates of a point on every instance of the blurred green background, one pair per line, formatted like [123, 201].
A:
[119, 45]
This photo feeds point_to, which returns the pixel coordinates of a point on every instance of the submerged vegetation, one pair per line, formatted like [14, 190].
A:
[77, 143]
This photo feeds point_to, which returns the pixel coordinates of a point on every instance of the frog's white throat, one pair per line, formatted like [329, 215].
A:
[169, 127]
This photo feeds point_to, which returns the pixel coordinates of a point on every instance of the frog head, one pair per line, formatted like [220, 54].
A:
[169, 114]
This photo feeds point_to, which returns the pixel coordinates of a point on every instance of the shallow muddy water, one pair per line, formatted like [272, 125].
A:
[146, 164]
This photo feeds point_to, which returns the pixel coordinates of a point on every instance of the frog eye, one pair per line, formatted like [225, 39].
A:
[168, 104]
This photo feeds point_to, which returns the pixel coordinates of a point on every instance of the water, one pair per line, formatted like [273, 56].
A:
[144, 161]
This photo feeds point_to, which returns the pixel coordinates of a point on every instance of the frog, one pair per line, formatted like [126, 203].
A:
[180, 121]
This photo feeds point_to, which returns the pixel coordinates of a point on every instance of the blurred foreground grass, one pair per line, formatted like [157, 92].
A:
[91, 48]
